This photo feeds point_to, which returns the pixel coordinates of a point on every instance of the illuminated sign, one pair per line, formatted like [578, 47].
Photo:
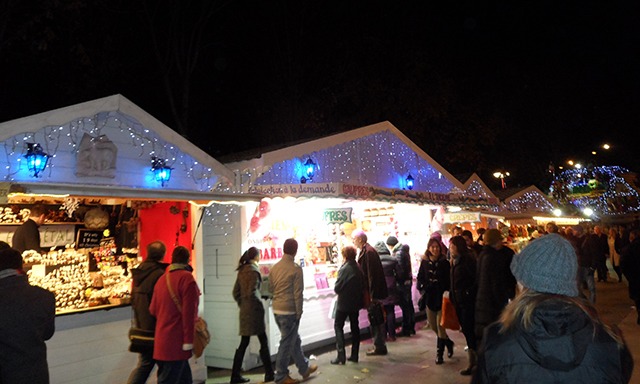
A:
[337, 215]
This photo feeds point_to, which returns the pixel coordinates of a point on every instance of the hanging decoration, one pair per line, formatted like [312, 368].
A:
[37, 159]
[161, 170]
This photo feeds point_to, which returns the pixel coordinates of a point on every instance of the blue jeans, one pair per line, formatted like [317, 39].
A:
[141, 373]
[174, 372]
[290, 346]
[585, 275]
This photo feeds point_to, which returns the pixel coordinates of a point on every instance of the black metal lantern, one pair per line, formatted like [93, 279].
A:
[37, 159]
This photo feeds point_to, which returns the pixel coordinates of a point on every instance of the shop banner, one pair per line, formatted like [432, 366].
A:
[337, 215]
[364, 192]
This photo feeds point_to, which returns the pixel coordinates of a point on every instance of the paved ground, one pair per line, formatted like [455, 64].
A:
[411, 360]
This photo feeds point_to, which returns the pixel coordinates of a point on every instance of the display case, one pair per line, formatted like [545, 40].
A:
[82, 279]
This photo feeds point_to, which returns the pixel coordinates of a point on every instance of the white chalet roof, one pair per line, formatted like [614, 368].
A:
[135, 135]
[377, 155]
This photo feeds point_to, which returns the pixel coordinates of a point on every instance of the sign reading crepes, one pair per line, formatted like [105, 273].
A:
[462, 217]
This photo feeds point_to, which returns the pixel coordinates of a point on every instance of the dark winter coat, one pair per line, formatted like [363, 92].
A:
[401, 253]
[27, 320]
[391, 270]
[463, 282]
[433, 279]
[560, 347]
[246, 292]
[349, 287]
[27, 237]
[594, 248]
[374, 280]
[630, 266]
[144, 279]
[496, 285]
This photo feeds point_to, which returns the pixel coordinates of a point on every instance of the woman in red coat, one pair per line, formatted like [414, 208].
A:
[175, 306]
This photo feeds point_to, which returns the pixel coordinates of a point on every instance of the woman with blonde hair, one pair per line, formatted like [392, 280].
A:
[548, 334]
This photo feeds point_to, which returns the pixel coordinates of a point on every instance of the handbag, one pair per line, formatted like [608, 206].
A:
[141, 340]
[449, 319]
[422, 302]
[376, 313]
[201, 335]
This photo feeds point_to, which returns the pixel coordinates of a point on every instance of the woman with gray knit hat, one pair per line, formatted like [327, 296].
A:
[548, 334]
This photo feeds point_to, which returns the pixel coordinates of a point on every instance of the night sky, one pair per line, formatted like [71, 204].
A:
[479, 85]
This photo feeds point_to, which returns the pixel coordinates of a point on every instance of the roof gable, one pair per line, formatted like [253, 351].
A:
[135, 135]
[530, 199]
[376, 155]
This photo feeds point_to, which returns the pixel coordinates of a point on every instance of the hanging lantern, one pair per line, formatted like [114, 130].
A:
[409, 182]
[310, 168]
[161, 171]
[36, 158]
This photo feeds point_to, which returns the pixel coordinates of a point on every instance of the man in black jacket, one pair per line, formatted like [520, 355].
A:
[27, 235]
[405, 281]
[145, 277]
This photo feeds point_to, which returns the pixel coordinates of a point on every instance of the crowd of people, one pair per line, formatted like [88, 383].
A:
[521, 314]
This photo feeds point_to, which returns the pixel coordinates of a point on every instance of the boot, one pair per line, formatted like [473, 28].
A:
[235, 371]
[265, 356]
[449, 344]
[440, 351]
[341, 359]
[355, 350]
[472, 363]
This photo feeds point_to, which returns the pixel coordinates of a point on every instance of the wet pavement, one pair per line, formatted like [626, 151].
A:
[411, 360]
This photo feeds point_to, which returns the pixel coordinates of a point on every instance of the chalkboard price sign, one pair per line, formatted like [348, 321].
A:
[88, 238]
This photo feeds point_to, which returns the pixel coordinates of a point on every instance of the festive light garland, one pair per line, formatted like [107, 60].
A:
[67, 137]
[380, 159]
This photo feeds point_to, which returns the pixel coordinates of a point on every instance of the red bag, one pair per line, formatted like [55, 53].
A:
[449, 319]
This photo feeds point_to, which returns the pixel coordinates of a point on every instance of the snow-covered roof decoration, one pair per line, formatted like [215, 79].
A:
[106, 142]
[474, 186]
[528, 200]
[377, 155]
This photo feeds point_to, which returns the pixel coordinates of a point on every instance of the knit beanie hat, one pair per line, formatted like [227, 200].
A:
[392, 241]
[548, 264]
[492, 236]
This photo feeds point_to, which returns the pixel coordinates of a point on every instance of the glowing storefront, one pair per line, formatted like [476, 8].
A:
[373, 178]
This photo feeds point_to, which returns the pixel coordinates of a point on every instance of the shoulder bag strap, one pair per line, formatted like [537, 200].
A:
[173, 295]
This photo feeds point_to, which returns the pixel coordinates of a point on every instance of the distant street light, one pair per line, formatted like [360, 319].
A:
[606, 146]
[501, 176]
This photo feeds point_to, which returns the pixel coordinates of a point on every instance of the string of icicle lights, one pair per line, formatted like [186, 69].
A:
[529, 202]
[380, 159]
[67, 137]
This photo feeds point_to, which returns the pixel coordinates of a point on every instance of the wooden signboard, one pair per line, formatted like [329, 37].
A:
[88, 238]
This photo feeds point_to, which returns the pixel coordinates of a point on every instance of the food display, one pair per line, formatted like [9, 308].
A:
[67, 274]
